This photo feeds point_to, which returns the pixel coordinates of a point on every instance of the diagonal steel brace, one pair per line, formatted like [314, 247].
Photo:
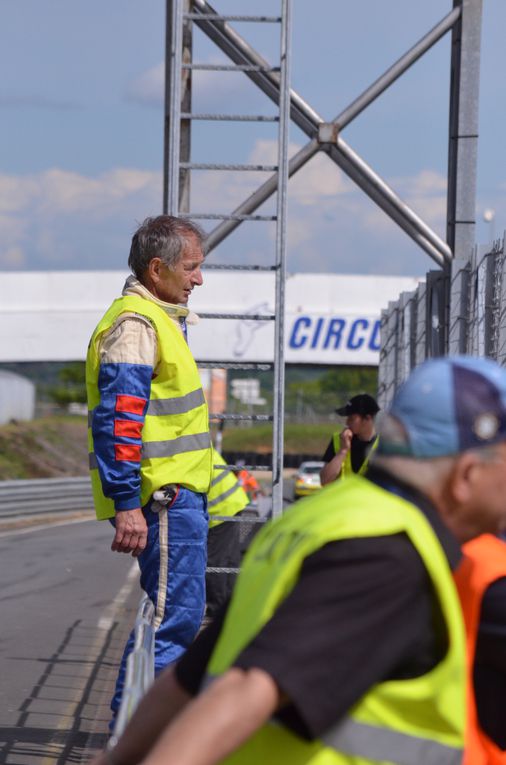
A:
[308, 120]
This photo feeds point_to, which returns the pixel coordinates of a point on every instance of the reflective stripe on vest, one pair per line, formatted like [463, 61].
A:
[226, 496]
[223, 497]
[175, 435]
[413, 721]
[179, 445]
[220, 473]
[161, 406]
[176, 446]
[383, 744]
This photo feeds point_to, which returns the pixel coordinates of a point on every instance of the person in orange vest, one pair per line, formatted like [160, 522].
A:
[249, 483]
[481, 583]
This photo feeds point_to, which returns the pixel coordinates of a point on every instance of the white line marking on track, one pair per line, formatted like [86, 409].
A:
[18, 532]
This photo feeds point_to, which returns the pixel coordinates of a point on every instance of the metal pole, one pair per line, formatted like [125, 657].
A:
[186, 104]
[174, 48]
[166, 118]
[397, 69]
[459, 306]
[463, 129]
[380, 192]
[281, 212]
[358, 170]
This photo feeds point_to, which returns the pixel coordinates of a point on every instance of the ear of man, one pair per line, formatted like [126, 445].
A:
[154, 270]
[463, 477]
[461, 497]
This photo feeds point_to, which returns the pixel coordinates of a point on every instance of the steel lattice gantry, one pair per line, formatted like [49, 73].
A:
[181, 14]
[463, 21]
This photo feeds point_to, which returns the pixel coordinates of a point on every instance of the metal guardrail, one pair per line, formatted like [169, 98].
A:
[44, 495]
[140, 671]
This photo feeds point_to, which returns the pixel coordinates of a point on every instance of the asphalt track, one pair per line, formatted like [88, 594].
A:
[66, 604]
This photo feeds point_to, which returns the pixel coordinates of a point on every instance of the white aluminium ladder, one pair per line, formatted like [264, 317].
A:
[178, 166]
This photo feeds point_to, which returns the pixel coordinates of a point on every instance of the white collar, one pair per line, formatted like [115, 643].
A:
[134, 287]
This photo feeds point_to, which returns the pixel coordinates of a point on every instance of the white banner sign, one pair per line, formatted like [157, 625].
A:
[330, 319]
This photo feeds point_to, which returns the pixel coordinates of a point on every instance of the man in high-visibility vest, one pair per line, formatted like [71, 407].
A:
[344, 643]
[148, 436]
[226, 499]
[350, 449]
[481, 582]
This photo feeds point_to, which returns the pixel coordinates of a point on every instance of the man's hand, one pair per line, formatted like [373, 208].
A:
[225, 715]
[131, 532]
[332, 469]
[345, 439]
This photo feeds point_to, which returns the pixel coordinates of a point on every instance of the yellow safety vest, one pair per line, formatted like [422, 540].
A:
[417, 721]
[176, 445]
[226, 496]
[346, 468]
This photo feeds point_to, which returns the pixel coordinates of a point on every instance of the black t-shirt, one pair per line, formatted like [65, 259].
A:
[362, 611]
[358, 450]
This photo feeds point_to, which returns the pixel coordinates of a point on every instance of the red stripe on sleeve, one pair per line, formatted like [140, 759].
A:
[127, 452]
[127, 428]
[130, 404]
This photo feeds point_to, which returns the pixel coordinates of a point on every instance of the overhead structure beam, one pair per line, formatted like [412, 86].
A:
[310, 122]
[172, 143]
[463, 128]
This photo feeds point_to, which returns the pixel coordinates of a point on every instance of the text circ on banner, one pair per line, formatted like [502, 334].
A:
[334, 333]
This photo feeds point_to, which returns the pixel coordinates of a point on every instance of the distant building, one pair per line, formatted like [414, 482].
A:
[17, 398]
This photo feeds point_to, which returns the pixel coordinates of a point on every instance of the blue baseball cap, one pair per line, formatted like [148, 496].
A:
[446, 406]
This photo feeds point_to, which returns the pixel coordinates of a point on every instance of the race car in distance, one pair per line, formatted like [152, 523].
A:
[307, 478]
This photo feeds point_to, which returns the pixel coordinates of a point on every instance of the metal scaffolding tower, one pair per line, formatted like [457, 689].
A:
[178, 165]
[463, 20]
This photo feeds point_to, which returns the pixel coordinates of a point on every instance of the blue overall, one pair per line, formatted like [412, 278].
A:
[173, 569]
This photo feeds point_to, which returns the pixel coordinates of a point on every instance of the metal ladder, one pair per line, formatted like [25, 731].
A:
[178, 166]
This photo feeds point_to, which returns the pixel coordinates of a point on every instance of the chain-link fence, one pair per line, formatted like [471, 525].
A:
[458, 310]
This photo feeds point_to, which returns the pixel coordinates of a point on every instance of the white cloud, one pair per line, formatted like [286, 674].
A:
[56, 192]
[211, 91]
[149, 86]
[59, 219]
[15, 193]
[12, 258]
[66, 192]
[425, 193]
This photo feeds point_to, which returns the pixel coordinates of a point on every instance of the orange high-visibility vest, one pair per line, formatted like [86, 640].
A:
[249, 483]
[483, 564]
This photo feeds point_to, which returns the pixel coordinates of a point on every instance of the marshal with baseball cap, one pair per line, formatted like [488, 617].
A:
[362, 404]
[448, 405]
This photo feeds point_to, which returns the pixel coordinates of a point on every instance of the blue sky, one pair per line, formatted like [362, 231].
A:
[81, 101]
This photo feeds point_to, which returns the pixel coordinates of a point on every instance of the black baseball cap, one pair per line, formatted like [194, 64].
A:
[362, 404]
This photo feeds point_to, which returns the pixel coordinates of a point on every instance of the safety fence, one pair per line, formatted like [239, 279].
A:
[461, 309]
[140, 668]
